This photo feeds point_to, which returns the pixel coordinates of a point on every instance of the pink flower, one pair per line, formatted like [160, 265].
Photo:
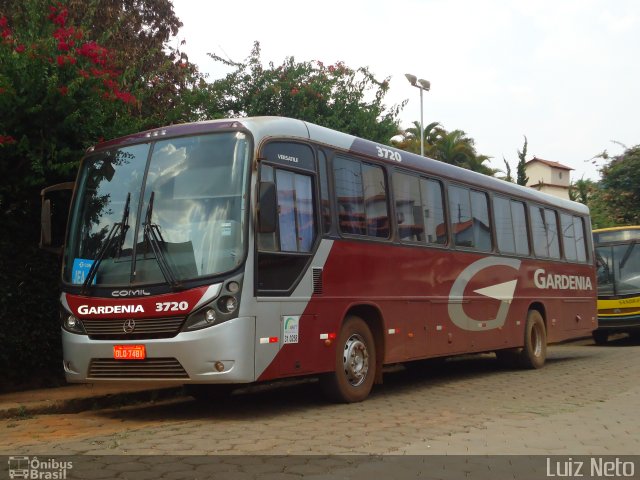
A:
[63, 90]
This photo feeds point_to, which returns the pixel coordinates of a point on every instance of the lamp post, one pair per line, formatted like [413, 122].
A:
[422, 85]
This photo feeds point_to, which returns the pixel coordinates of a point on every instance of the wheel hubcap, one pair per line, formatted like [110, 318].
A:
[355, 359]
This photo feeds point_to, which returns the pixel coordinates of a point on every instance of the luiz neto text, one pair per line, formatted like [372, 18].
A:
[592, 467]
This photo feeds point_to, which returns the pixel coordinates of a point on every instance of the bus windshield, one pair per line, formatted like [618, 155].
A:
[159, 212]
[618, 269]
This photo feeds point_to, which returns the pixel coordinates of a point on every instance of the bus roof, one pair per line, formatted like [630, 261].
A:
[264, 128]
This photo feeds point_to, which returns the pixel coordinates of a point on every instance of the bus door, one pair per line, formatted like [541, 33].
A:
[285, 254]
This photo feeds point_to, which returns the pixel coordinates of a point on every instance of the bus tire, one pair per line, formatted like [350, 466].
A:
[534, 352]
[600, 337]
[355, 363]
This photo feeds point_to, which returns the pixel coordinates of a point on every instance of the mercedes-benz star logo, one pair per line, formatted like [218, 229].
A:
[129, 325]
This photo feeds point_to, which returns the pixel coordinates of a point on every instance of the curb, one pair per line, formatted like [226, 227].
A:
[94, 402]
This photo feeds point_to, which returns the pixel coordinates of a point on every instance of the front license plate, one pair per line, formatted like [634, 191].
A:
[129, 352]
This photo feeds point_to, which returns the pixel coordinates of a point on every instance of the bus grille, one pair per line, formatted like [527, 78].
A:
[113, 329]
[155, 368]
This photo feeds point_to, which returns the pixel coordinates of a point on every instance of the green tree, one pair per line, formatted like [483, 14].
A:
[431, 135]
[59, 92]
[508, 177]
[335, 96]
[521, 171]
[621, 187]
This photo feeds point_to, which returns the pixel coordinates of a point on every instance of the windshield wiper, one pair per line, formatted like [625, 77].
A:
[124, 225]
[121, 227]
[153, 237]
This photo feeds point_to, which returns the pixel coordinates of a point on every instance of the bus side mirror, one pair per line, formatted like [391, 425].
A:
[268, 208]
[56, 200]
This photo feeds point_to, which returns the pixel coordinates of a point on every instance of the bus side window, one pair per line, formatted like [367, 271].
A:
[511, 226]
[581, 247]
[568, 237]
[469, 212]
[520, 228]
[362, 198]
[504, 225]
[433, 211]
[544, 228]
[408, 207]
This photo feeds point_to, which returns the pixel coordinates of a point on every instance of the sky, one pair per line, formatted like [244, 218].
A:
[563, 73]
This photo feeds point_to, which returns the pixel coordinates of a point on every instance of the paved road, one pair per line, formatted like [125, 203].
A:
[584, 402]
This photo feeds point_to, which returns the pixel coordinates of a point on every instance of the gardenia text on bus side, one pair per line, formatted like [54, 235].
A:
[545, 280]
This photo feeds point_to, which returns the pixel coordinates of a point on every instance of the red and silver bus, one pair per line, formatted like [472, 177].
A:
[246, 250]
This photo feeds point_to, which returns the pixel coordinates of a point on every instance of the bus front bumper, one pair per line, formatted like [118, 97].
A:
[224, 353]
[619, 323]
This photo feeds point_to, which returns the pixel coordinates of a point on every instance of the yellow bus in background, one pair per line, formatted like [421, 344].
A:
[618, 278]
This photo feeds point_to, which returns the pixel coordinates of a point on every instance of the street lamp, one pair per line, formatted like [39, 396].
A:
[422, 85]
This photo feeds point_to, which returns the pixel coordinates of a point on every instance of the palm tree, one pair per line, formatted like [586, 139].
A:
[453, 147]
[411, 138]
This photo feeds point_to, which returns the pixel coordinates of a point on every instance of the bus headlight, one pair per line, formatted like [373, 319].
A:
[217, 311]
[228, 304]
[70, 322]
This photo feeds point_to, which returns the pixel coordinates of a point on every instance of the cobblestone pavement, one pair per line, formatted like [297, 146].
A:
[584, 402]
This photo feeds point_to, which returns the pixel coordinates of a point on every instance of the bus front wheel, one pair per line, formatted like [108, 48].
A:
[534, 352]
[355, 363]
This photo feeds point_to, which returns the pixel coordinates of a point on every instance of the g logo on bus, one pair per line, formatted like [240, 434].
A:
[502, 291]
[129, 325]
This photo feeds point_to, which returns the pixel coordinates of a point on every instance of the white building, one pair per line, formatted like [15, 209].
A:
[549, 177]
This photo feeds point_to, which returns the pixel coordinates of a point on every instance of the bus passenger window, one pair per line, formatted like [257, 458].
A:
[433, 212]
[408, 207]
[545, 232]
[520, 228]
[511, 226]
[470, 224]
[481, 225]
[504, 225]
[573, 238]
[362, 198]
[568, 237]
[581, 247]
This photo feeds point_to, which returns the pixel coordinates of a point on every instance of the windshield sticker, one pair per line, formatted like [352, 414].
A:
[290, 333]
[80, 270]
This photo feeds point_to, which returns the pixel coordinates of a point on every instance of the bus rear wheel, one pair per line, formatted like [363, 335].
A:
[355, 363]
[534, 352]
